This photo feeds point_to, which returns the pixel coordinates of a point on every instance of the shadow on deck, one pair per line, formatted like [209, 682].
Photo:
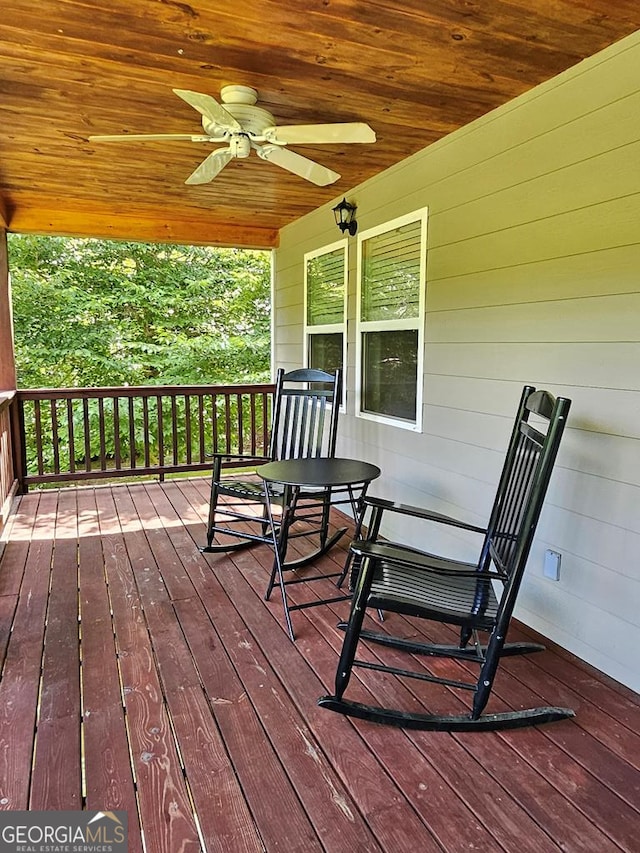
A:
[139, 674]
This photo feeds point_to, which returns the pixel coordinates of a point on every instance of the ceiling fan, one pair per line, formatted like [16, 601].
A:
[242, 126]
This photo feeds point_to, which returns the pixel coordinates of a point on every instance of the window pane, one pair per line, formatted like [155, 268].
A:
[325, 288]
[391, 274]
[325, 352]
[390, 367]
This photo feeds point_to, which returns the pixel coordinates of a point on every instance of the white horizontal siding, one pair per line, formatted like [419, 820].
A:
[533, 277]
[596, 319]
[593, 273]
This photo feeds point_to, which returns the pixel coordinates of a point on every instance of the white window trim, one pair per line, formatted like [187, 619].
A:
[389, 325]
[328, 328]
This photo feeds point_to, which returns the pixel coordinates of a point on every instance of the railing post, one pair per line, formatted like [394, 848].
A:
[18, 444]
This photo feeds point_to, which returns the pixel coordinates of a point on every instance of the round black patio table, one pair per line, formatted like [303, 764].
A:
[321, 472]
[329, 481]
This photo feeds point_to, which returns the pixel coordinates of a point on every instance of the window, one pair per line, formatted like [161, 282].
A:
[325, 288]
[390, 320]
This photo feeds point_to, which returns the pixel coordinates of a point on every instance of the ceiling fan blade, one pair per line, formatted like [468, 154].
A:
[301, 166]
[317, 134]
[152, 137]
[212, 166]
[209, 108]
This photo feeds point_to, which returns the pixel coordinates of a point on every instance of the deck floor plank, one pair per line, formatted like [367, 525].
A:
[225, 819]
[57, 781]
[609, 719]
[20, 685]
[582, 746]
[165, 809]
[14, 556]
[281, 816]
[198, 715]
[108, 774]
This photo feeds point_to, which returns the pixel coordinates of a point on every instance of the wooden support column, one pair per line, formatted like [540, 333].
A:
[7, 359]
[9, 477]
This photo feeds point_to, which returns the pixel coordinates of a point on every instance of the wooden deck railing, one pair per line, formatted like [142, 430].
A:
[92, 433]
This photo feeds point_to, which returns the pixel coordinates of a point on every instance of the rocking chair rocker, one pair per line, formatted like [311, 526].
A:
[304, 424]
[397, 578]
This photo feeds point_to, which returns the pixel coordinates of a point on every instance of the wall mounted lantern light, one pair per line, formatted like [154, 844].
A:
[345, 215]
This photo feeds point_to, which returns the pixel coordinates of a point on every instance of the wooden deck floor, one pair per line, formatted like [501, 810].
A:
[139, 674]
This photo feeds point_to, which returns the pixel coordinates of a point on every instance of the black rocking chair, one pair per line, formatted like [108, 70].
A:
[396, 578]
[304, 424]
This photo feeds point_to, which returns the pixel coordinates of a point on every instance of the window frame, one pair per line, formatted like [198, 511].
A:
[328, 328]
[404, 324]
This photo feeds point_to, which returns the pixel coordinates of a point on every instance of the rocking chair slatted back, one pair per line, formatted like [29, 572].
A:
[305, 420]
[522, 487]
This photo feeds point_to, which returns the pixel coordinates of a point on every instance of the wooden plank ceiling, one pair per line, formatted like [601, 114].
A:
[414, 70]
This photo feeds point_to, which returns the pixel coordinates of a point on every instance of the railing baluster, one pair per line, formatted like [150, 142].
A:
[227, 423]
[266, 420]
[18, 440]
[103, 449]
[201, 445]
[174, 429]
[160, 433]
[54, 436]
[116, 434]
[87, 434]
[252, 409]
[38, 429]
[70, 435]
[132, 434]
[240, 425]
[214, 423]
[187, 420]
[145, 424]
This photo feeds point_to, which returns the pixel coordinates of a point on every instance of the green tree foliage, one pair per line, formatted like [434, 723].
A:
[100, 313]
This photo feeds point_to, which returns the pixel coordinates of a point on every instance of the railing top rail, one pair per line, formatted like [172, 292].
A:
[141, 391]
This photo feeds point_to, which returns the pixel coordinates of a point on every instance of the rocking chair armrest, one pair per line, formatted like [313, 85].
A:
[420, 512]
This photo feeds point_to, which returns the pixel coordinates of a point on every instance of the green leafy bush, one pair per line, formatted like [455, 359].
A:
[99, 313]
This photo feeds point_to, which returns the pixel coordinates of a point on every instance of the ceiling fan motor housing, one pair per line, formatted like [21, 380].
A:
[237, 94]
[240, 102]
[254, 120]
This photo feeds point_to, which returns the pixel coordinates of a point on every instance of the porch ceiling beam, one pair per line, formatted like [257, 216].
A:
[142, 225]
